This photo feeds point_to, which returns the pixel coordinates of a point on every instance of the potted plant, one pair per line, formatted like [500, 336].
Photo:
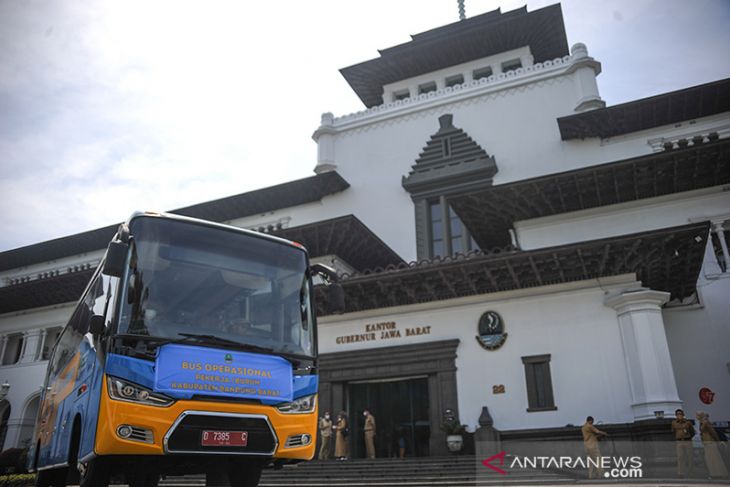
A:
[454, 430]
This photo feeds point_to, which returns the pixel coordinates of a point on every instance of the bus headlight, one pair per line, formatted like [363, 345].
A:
[122, 390]
[302, 405]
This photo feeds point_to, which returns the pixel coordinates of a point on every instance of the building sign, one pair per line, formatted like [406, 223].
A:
[491, 331]
[387, 330]
[706, 395]
[200, 370]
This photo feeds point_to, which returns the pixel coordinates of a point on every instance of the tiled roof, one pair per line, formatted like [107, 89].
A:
[284, 195]
[460, 42]
[665, 109]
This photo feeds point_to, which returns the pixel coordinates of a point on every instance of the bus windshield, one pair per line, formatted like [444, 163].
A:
[189, 279]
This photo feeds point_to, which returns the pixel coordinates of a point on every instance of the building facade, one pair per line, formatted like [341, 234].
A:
[505, 241]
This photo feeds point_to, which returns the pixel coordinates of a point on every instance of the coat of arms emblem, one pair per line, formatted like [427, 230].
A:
[491, 331]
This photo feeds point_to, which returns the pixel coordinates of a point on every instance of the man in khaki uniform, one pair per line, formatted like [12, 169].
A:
[369, 434]
[590, 442]
[325, 433]
[683, 433]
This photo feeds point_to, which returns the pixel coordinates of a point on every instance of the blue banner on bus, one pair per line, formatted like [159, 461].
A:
[213, 372]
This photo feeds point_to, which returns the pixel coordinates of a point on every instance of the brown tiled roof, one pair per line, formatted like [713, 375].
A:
[665, 109]
[489, 213]
[284, 195]
[667, 260]
[460, 42]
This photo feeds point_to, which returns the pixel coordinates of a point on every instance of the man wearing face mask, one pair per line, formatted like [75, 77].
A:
[325, 432]
[369, 434]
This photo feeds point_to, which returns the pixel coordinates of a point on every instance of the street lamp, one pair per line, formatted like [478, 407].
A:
[4, 388]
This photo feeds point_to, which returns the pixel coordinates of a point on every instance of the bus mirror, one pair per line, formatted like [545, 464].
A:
[325, 271]
[336, 298]
[96, 325]
[116, 257]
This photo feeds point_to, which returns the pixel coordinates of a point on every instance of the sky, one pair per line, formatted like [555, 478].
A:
[107, 107]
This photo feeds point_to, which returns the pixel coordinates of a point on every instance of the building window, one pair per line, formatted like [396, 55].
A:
[451, 238]
[401, 95]
[427, 87]
[539, 383]
[13, 349]
[437, 228]
[455, 80]
[480, 73]
[48, 342]
[511, 65]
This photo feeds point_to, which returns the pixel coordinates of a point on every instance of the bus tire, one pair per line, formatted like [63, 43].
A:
[216, 478]
[142, 479]
[246, 475]
[55, 477]
[95, 473]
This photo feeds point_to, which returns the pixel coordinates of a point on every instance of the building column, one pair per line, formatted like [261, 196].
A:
[646, 352]
[11, 434]
[324, 136]
[720, 232]
[3, 347]
[586, 69]
[41, 344]
[31, 341]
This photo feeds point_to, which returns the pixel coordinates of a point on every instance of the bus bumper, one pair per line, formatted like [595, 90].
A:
[159, 430]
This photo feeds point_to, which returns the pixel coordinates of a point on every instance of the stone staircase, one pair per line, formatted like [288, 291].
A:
[461, 470]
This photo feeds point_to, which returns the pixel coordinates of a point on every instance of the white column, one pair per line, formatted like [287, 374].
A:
[30, 346]
[585, 70]
[42, 343]
[527, 60]
[14, 426]
[325, 138]
[3, 347]
[646, 352]
[720, 231]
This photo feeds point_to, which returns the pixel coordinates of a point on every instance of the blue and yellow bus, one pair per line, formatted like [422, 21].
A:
[193, 349]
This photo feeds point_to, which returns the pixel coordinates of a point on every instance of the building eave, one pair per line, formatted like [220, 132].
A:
[490, 212]
[667, 260]
[656, 111]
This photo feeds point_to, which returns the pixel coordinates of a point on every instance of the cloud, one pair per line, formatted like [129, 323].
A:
[110, 107]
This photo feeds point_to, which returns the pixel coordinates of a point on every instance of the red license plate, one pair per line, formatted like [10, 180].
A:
[224, 438]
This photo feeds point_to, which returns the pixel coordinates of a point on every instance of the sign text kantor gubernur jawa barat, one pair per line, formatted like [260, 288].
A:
[207, 371]
[383, 331]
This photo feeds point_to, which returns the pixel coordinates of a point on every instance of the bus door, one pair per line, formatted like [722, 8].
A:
[61, 379]
[90, 377]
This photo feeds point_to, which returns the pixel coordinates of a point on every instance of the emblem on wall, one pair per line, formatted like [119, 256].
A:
[491, 331]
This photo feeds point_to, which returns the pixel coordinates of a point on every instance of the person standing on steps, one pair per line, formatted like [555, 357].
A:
[710, 440]
[341, 436]
[369, 434]
[325, 433]
[683, 433]
[590, 442]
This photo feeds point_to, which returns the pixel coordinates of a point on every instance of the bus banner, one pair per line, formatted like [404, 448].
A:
[208, 371]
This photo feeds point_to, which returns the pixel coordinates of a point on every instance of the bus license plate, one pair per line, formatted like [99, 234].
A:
[224, 438]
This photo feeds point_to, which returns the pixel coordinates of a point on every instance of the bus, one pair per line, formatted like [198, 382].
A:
[193, 349]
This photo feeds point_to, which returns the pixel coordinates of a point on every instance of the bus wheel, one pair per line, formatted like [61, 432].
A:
[55, 477]
[247, 474]
[216, 478]
[142, 479]
[94, 473]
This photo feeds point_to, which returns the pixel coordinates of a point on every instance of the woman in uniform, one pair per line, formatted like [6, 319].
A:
[341, 436]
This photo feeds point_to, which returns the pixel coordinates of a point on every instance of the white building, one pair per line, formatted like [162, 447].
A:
[602, 229]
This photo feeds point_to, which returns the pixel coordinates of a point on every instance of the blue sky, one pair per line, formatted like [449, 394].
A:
[110, 107]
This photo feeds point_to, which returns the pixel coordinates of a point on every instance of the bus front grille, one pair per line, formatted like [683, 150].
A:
[185, 436]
